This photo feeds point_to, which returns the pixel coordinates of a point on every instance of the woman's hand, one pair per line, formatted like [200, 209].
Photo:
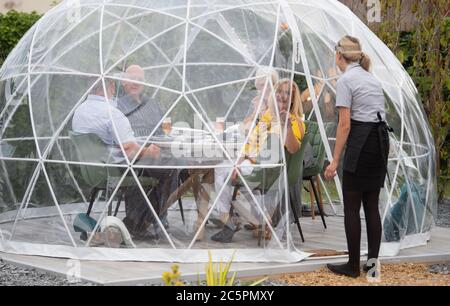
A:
[331, 171]
[284, 115]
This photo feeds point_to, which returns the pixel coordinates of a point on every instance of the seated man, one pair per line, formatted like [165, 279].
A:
[98, 115]
[144, 113]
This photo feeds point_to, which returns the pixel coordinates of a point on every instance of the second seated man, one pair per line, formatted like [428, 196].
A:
[144, 113]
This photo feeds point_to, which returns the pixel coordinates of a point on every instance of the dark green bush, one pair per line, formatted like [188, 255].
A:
[13, 25]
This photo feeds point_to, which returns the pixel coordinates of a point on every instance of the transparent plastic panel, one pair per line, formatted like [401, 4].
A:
[250, 30]
[127, 30]
[177, 8]
[54, 99]
[213, 61]
[15, 180]
[160, 56]
[202, 8]
[59, 50]
[408, 207]
[251, 208]
[177, 110]
[41, 220]
[326, 26]
[17, 137]
[320, 53]
[17, 62]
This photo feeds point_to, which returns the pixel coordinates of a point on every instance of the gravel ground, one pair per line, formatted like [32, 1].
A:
[405, 274]
[443, 269]
[11, 275]
[391, 275]
[443, 218]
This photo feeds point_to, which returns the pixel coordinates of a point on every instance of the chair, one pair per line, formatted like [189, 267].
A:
[311, 172]
[295, 170]
[266, 177]
[91, 149]
[261, 180]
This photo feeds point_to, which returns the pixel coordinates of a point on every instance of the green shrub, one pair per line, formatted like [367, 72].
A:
[424, 53]
[13, 26]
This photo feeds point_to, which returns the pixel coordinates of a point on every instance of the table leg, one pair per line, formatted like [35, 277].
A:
[194, 182]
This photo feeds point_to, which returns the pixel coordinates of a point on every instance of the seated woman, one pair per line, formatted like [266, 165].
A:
[288, 102]
[264, 90]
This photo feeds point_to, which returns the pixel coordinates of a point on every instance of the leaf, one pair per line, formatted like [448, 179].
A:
[231, 282]
[259, 282]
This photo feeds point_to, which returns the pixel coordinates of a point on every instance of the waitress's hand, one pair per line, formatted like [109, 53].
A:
[331, 171]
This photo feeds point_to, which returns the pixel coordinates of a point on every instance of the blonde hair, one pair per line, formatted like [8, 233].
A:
[296, 100]
[266, 72]
[350, 49]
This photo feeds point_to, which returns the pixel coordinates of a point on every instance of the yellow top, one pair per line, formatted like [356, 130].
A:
[265, 126]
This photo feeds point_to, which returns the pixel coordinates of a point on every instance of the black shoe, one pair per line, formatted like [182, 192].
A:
[224, 236]
[345, 269]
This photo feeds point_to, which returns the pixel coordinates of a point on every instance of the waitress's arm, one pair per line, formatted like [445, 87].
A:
[343, 131]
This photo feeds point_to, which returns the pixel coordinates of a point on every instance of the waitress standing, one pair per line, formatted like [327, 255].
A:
[361, 129]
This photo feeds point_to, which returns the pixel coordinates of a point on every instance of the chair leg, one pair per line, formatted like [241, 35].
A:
[94, 193]
[260, 234]
[180, 204]
[116, 212]
[311, 197]
[297, 220]
[319, 190]
[318, 203]
[110, 209]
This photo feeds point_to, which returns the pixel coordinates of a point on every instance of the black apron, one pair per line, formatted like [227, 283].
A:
[366, 156]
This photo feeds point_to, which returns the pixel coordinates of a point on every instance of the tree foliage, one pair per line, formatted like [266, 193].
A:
[14, 25]
[425, 55]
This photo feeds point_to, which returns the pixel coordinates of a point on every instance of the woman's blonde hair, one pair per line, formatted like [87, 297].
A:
[296, 100]
[350, 49]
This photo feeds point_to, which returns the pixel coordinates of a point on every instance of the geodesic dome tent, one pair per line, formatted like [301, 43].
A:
[200, 60]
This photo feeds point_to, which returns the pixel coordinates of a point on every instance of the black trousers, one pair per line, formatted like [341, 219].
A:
[139, 216]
